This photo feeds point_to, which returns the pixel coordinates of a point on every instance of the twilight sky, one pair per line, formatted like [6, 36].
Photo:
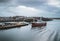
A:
[45, 8]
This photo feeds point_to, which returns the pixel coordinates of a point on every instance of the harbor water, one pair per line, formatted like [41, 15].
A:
[51, 32]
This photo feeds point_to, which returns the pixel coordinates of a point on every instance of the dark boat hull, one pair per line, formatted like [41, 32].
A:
[38, 24]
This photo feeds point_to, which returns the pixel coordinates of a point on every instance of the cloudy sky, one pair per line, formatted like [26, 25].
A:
[44, 8]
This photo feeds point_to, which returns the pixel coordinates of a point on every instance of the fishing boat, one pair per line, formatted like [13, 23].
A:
[39, 23]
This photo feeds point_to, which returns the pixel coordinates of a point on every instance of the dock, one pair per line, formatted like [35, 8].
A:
[12, 25]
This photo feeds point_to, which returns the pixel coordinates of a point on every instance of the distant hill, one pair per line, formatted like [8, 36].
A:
[55, 18]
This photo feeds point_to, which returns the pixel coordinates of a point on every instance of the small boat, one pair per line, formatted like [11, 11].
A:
[39, 23]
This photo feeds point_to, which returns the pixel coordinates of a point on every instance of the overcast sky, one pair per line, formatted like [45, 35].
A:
[45, 8]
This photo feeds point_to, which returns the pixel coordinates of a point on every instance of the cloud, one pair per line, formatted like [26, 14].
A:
[4, 0]
[31, 3]
[49, 8]
[24, 11]
[30, 7]
[18, 10]
[54, 3]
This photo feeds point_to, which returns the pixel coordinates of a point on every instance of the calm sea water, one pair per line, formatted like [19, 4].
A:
[27, 33]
